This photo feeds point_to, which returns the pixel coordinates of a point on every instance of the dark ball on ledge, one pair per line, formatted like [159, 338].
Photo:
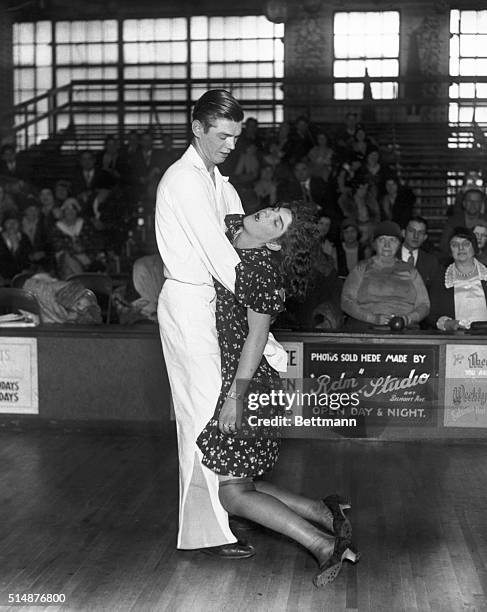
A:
[396, 323]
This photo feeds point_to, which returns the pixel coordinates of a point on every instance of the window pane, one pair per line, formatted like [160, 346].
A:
[26, 54]
[199, 52]
[454, 19]
[368, 38]
[43, 32]
[199, 27]
[471, 44]
[468, 22]
[43, 55]
[44, 77]
[130, 30]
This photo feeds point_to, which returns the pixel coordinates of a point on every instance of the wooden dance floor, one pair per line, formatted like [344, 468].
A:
[94, 516]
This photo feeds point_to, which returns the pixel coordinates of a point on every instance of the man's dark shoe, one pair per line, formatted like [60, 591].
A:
[236, 550]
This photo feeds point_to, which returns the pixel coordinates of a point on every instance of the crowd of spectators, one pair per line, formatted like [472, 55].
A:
[86, 220]
[373, 260]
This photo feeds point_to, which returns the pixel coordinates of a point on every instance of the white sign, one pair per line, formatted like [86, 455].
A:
[18, 376]
[466, 385]
[294, 375]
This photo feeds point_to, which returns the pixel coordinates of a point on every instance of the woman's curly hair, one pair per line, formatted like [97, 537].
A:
[299, 249]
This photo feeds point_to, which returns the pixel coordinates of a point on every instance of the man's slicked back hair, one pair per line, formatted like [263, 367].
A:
[217, 104]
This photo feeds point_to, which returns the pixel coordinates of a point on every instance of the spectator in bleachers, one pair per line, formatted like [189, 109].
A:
[362, 144]
[275, 157]
[50, 211]
[12, 166]
[168, 154]
[326, 245]
[137, 301]
[383, 287]
[85, 180]
[147, 166]
[426, 264]
[473, 211]
[319, 305]
[480, 231]
[321, 157]
[250, 135]
[300, 141]
[283, 134]
[471, 179]
[303, 186]
[266, 187]
[131, 147]
[459, 296]
[350, 168]
[247, 169]
[376, 173]
[349, 250]
[33, 228]
[14, 248]
[398, 202]
[112, 215]
[111, 162]
[7, 203]
[76, 243]
[272, 155]
[62, 191]
[361, 206]
[346, 133]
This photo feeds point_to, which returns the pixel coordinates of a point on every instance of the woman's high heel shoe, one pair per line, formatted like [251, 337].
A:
[342, 528]
[330, 569]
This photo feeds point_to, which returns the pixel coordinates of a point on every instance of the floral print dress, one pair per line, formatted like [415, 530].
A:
[253, 450]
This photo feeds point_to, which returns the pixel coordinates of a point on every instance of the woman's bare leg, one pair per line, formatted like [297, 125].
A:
[311, 509]
[239, 496]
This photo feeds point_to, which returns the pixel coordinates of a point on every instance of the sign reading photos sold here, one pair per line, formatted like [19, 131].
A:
[380, 384]
[18, 376]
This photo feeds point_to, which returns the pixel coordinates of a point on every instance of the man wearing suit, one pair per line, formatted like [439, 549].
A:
[427, 264]
[147, 165]
[86, 180]
[303, 186]
[11, 167]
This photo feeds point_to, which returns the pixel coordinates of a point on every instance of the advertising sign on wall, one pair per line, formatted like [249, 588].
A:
[18, 376]
[466, 385]
[377, 383]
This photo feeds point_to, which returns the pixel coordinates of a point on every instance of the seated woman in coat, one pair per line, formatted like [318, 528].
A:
[459, 297]
[383, 287]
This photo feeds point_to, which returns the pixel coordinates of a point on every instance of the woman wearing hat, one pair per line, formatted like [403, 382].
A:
[75, 241]
[383, 287]
[460, 296]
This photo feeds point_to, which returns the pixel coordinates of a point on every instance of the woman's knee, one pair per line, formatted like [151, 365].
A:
[232, 491]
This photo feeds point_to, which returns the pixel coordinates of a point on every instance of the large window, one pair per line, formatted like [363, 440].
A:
[244, 54]
[468, 58]
[241, 48]
[366, 41]
[32, 53]
[87, 50]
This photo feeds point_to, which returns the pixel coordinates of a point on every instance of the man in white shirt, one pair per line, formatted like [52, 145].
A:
[427, 264]
[192, 201]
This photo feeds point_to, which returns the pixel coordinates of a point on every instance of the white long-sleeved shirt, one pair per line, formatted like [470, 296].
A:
[190, 226]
